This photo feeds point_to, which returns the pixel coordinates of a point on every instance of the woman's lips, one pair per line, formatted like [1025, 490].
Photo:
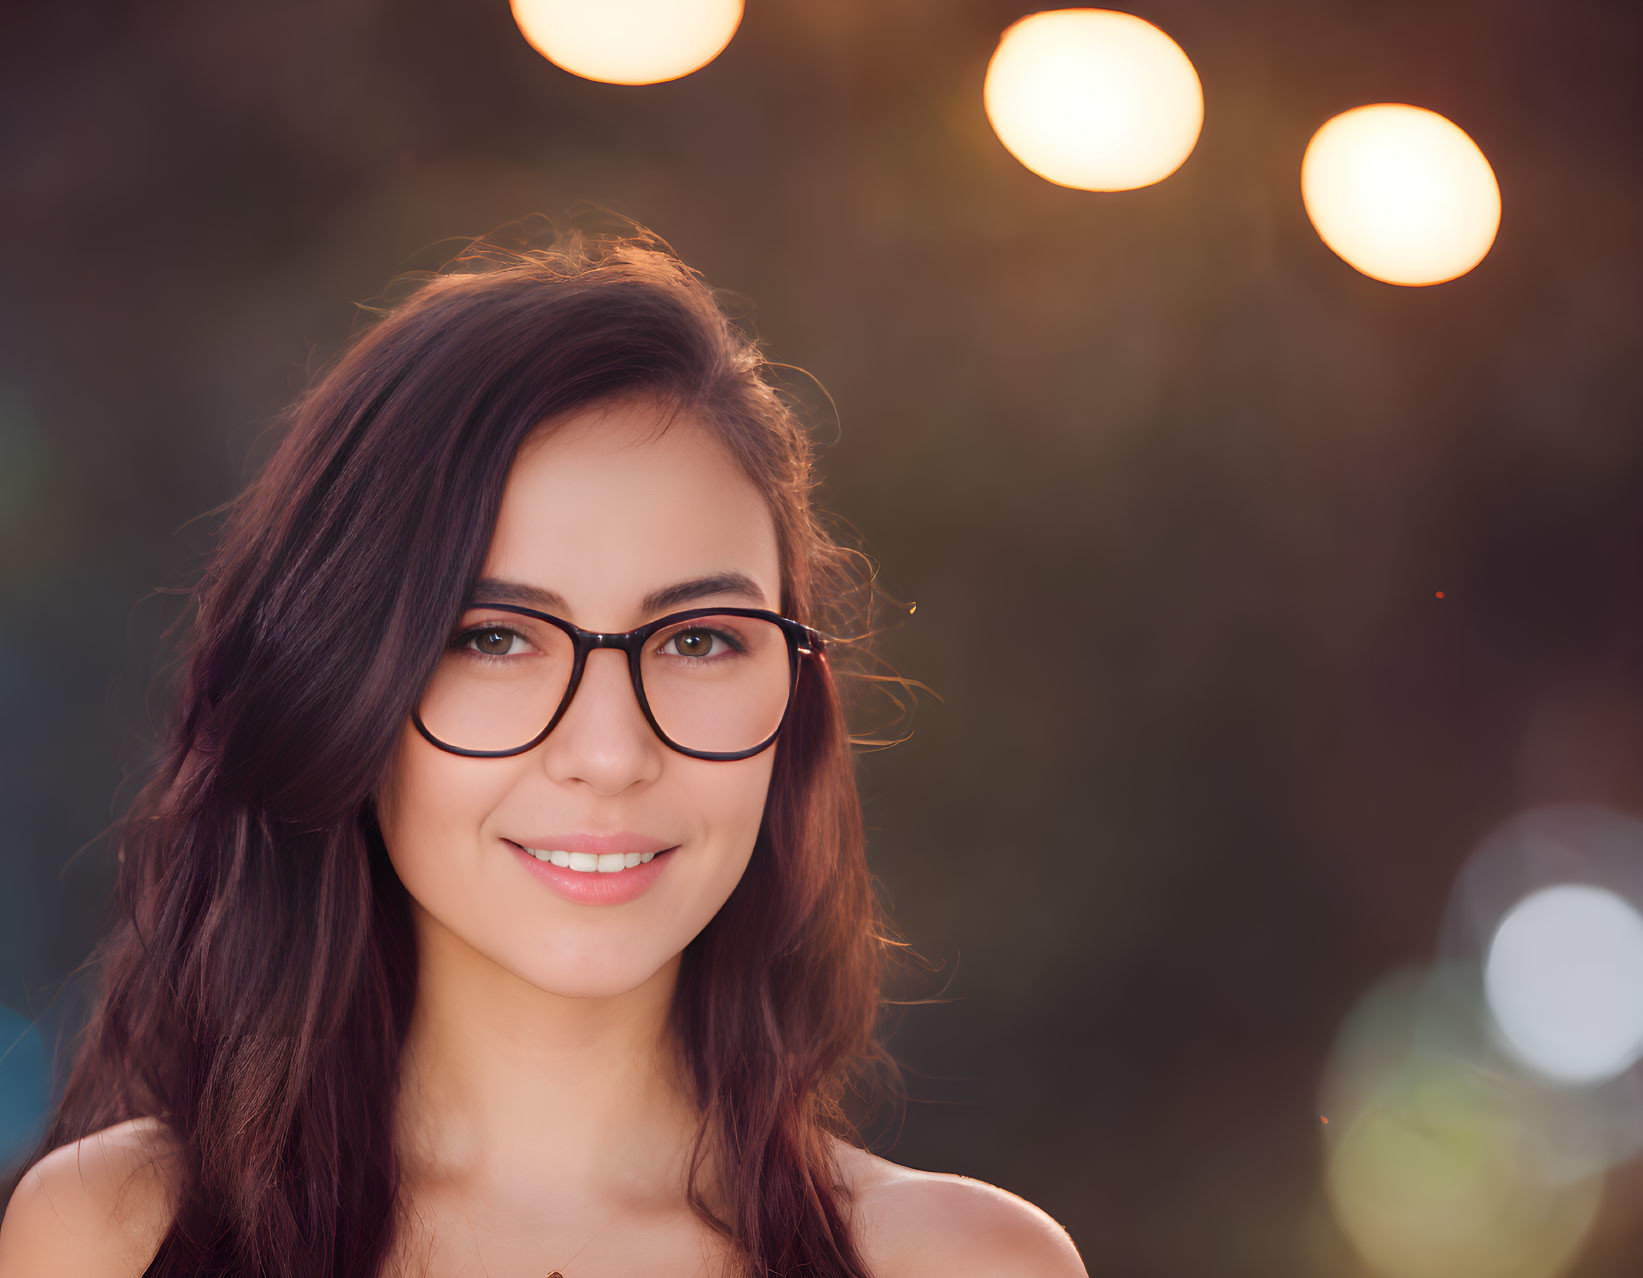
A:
[590, 887]
[622, 841]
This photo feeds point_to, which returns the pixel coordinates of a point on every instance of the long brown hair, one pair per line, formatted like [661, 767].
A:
[254, 994]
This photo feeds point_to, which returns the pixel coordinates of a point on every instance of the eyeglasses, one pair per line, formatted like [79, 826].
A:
[714, 683]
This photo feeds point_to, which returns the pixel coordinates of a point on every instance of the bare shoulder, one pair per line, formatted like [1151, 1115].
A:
[96, 1208]
[921, 1224]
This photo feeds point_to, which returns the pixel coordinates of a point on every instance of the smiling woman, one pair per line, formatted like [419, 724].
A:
[500, 901]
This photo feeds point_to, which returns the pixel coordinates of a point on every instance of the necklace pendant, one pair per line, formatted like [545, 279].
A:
[556, 1274]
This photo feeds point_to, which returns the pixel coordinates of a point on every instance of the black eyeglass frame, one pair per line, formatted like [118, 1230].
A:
[802, 640]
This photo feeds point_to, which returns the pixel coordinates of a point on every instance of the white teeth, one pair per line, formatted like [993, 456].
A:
[588, 863]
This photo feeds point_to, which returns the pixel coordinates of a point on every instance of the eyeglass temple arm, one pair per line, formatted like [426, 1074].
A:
[814, 640]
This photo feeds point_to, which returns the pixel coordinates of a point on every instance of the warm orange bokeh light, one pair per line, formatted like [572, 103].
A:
[628, 41]
[1093, 99]
[1400, 193]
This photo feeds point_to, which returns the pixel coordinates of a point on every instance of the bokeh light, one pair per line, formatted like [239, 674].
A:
[1525, 891]
[628, 41]
[1439, 1163]
[1564, 980]
[1093, 98]
[1438, 1177]
[25, 1085]
[1400, 193]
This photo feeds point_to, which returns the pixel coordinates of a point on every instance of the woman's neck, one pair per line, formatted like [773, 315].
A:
[509, 1090]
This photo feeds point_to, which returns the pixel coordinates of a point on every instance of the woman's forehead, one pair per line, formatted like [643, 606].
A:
[618, 456]
[603, 521]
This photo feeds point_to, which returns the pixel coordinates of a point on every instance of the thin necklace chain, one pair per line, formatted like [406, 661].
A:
[559, 1272]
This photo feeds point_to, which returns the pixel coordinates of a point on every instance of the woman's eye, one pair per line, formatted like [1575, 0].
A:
[494, 641]
[693, 643]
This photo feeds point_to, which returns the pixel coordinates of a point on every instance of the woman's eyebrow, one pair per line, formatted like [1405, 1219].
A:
[495, 590]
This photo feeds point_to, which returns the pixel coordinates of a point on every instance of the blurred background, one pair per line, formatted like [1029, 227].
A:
[1276, 830]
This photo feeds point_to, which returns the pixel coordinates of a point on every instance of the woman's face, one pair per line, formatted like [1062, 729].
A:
[601, 515]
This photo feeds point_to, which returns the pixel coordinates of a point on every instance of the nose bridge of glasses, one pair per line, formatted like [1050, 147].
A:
[621, 662]
[598, 640]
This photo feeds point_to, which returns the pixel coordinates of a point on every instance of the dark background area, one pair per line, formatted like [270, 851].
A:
[1173, 487]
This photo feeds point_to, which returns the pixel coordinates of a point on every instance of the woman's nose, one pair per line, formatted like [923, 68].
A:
[603, 737]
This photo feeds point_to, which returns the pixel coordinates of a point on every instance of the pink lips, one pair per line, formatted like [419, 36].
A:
[590, 887]
[622, 841]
